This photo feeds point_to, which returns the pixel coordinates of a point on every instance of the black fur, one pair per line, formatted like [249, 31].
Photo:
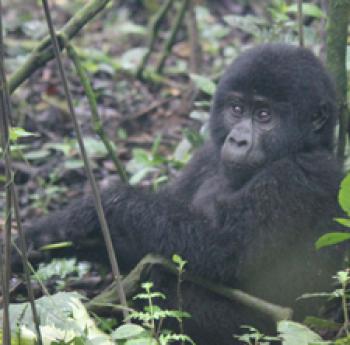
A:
[250, 228]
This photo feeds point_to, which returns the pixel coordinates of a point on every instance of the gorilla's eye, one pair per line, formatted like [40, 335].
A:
[237, 109]
[264, 115]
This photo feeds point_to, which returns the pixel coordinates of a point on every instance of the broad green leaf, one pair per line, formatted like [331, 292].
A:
[127, 331]
[140, 175]
[141, 156]
[61, 268]
[132, 57]
[62, 317]
[343, 221]
[344, 194]
[310, 10]
[203, 83]
[127, 28]
[202, 116]
[182, 151]
[141, 341]
[322, 324]
[38, 154]
[294, 333]
[331, 238]
[72, 164]
[17, 132]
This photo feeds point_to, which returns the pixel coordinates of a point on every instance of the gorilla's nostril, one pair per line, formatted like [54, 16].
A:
[237, 142]
[231, 140]
[241, 143]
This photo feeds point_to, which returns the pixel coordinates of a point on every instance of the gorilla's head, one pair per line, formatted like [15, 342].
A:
[273, 101]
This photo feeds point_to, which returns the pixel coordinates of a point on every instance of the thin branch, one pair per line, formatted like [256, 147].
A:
[26, 265]
[154, 27]
[5, 260]
[43, 52]
[300, 23]
[171, 40]
[94, 187]
[193, 37]
[11, 194]
[96, 120]
[6, 252]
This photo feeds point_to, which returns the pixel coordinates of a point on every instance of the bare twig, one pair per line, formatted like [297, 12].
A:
[171, 40]
[6, 252]
[96, 120]
[193, 37]
[26, 265]
[5, 107]
[154, 27]
[300, 23]
[42, 53]
[146, 110]
[96, 194]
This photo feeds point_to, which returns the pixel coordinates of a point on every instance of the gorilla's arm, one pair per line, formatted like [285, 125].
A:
[264, 215]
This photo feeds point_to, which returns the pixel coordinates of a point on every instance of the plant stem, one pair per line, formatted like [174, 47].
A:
[171, 40]
[96, 119]
[154, 27]
[96, 194]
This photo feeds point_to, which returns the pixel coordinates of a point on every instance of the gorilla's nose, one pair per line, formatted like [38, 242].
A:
[238, 141]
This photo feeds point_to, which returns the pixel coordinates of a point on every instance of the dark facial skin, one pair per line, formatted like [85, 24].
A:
[248, 119]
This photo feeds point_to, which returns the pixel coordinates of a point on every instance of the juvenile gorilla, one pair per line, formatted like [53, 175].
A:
[248, 208]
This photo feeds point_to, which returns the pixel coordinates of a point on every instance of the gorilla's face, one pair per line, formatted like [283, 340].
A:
[272, 102]
[249, 122]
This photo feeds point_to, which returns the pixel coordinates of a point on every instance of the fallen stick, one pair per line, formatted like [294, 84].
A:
[131, 284]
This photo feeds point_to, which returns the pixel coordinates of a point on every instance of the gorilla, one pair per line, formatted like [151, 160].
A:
[249, 206]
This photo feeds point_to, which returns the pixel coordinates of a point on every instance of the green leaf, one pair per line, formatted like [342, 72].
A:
[331, 238]
[141, 341]
[127, 331]
[343, 221]
[127, 28]
[18, 132]
[179, 338]
[179, 261]
[63, 319]
[342, 277]
[72, 164]
[58, 267]
[294, 333]
[38, 154]
[322, 324]
[156, 144]
[141, 156]
[344, 195]
[131, 58]
[310, 10]
[57, 245]
[140, 175]
[147, 285]
[203, 83]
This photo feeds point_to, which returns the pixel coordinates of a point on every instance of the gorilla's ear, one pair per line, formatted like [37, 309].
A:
[320, 118]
